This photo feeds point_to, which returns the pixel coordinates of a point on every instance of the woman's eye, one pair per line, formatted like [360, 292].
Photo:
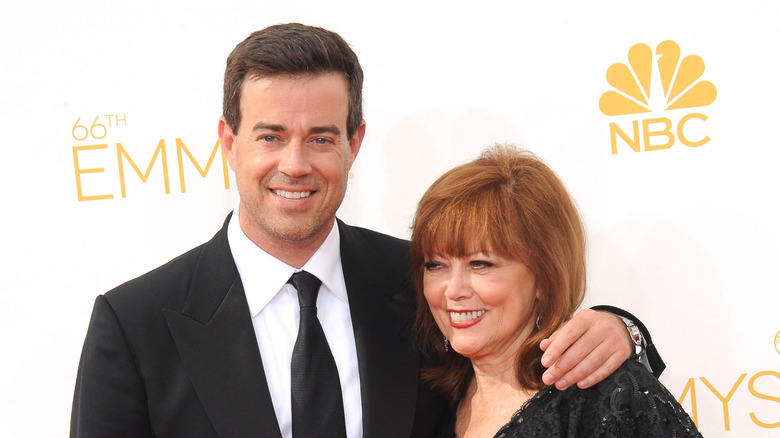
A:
[481, 264]
[432, 266]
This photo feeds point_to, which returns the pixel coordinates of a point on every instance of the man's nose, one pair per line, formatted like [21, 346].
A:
[294, 159]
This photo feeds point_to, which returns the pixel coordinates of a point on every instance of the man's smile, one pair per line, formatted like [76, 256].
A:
[291, 195]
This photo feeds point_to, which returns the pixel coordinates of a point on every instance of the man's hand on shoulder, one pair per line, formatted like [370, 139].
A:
[585, 350]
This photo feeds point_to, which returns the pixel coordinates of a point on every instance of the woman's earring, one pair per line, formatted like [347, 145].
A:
[446, 344]
[539, 322]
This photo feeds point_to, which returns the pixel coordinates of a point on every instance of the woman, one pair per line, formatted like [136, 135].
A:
[498, 261]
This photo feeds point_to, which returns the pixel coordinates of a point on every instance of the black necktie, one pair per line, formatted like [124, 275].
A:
[317, 408]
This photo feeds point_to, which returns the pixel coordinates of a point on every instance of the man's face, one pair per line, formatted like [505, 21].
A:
[291, 156]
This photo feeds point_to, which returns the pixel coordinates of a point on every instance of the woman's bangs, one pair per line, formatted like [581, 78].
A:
[460, 229]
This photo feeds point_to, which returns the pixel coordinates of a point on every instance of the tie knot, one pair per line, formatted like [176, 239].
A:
[307, 286]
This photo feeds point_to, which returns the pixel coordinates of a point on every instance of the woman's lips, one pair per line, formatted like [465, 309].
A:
[464, 319]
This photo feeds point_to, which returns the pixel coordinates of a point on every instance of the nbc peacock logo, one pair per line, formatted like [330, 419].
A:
[777, 342]
[635, 92]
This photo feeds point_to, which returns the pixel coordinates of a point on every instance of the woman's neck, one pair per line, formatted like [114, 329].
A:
[491, 400]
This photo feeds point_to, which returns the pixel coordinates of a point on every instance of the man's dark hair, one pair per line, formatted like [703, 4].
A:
[291, 49]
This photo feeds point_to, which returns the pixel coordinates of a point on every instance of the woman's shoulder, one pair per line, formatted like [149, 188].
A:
[628, 401]
[630, 382]
[631, 376]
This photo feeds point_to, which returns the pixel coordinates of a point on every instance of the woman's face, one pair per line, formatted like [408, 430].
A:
[481, 302]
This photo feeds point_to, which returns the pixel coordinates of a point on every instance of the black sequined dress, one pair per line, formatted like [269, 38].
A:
[629, 403]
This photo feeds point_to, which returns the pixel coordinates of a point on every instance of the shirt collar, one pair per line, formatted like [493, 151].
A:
[263, 275]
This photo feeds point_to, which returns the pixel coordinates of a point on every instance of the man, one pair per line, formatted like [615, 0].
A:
[202, 345]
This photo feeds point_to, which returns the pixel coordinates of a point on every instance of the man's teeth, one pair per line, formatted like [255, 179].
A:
[466, 316]
[292, 195]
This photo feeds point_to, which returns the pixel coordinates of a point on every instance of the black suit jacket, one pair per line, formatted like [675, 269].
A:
[173, 353]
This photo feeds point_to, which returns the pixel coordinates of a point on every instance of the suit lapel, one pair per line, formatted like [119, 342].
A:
[382, 316]
[215, 338]
[216, 341]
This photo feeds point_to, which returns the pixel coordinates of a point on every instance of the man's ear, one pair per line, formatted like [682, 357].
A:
[356, 141]
[226, 140]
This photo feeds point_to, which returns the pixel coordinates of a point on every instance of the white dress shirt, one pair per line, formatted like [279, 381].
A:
[273, 305]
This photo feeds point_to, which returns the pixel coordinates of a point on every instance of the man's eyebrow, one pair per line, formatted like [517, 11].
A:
[262, 126]
[327, 129]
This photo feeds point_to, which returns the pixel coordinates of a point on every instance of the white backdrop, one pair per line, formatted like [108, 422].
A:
[684, 237]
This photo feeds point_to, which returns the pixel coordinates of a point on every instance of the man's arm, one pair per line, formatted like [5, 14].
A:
[649, 357]
[109, 400]
[591, 346]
